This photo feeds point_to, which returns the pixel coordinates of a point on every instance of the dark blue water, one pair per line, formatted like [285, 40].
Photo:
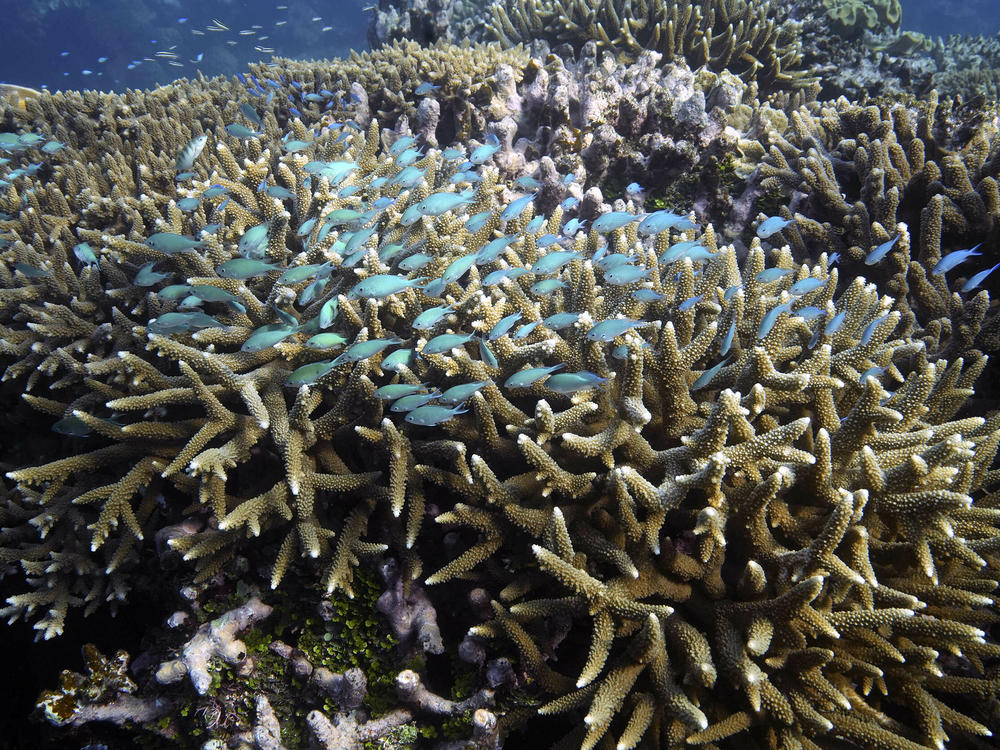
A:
[113, 44]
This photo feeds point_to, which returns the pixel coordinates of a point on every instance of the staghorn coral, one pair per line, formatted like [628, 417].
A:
[854, 174]
[742, 36]
[760, 512]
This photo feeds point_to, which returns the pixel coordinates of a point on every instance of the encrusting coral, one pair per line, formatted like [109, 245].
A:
[709, 496]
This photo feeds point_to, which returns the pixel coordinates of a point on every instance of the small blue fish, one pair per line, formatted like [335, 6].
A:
[484, 152]
[394, 391]
[806, 285]
[251, 114]
[434, 289]
[415, 262]
[527, 183]
[869, 331]
[313, 291]
[72, 426]
[978, 279]
[380, 286]
[534, 225]
[881, 251]
[431, 317]
[706, 377]
[267, 336]
[516, 207]
[439, 203]
[31, 272]
[174, 291]
[407, 177]
[690, 303]
[244, 268]
[546, 240]
[503, 326]
[309, 374]
[409, 156]
[496, 277]
[425, 88]
[492, 249]
[568, 383]
[646, 295]
[181, 322]
[951, 260]
[546, 286]
[808, 313]
[401, 144]
[625, 274]
[770, 318]
[279, 192]
[432, 415]
[772, 225]
[679, 250]
[871, 372]
[526, 378]
[326, 341]
[835, 323]
[559, 321]
[569, 203]
[452, 154]
[772, 274]
[634, 188]
[486, 354]
[242, 132]
[146, 276]
[659, 221]
[328, 312]
[457, 268]
[365, 349]
[608, 330]
[614, 260]
[478, 221]
[446, 342]
[613, 220]
[459, 394]
[253, 243]
[413, 401]
[553, 261]
[524, 331]
[189, 204]
[573, 226]
[727, 342]
[398, 359]
[85, 253]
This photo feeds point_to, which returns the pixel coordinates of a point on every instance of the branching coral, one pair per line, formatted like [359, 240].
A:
[707, 504]
[742, 36]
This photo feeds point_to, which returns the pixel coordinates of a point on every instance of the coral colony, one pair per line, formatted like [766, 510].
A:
[430, 432]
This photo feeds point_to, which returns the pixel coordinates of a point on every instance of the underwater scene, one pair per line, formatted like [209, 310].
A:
[534, 374]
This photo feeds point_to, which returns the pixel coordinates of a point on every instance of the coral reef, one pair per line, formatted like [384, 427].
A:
[742, 36]
[858, 173]
[690, 483]
[386, 78]
[852, 18]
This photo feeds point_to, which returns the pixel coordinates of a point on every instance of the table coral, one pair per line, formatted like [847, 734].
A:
[854, 17]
